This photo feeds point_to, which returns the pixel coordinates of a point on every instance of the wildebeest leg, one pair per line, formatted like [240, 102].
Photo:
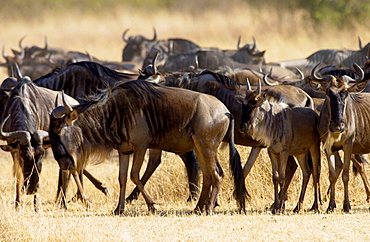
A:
[217, 177]
[84, 198]
[333, 179]
[98, 184]
[345, 175]
[63, 181]
[359, 162]
[192, 167]
[306, 172]
[138, 159]
[316, 169]
[289, 173]
[253, 155]
[206, 187]
[154, 161]
[282, 167]
[122, 178]
[338, 167]
[35, 203]
[275, 178]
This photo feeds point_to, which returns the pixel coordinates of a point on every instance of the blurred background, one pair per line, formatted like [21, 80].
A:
[286, 29]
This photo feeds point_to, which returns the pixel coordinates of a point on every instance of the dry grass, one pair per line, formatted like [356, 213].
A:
[284, 36]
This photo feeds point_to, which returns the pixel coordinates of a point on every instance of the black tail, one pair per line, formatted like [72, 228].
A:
[240, 192]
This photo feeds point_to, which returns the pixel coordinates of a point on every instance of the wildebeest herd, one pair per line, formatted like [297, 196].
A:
[176, 96]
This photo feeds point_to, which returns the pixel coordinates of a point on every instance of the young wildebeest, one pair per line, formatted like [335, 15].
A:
[138, 115]
[285, 131]
[24, 127]
[343, 123]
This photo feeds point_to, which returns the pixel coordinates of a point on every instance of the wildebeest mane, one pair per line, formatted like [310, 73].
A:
[224, 80]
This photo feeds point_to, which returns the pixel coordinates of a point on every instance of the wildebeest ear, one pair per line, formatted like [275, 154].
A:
[319, 86]
[358, 86]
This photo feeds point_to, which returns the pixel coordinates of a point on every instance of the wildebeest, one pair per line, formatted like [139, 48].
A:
[343, 124]
[24, 126]
[137, 46]
[226, 90]
[138, 115]
[343, 58]
[284, 131]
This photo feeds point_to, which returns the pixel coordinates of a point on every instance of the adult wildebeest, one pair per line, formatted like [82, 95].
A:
[137, 46]
[225, 89]
[343, 123]
[24, 126]
[284, 131]
[138, 115]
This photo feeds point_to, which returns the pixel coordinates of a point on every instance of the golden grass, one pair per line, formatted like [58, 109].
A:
[284, 36]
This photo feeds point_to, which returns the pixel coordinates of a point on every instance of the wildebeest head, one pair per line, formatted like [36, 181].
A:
[249, 103]
[30, 149]
[65, 138]
[337, 90]
[136, 47]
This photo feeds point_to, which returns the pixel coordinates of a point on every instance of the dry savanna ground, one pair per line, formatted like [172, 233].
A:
[284, 36]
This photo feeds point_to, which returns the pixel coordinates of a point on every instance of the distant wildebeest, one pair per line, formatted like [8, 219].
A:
[343, 58]
[343, 124]
[24, 126]
[137, 46]
[284, 131]
[138, 115]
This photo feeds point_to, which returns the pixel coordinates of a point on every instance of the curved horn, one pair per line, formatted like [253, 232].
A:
[254, 47]
[154, 63]
[66, 105]
[300, 73]
[267, 81]
[313, 73]
[21, 56]
[124, 35]
[56, 101]
[359, 72]
[238, 44]
[259, 87]
[155, 35]
[23, 137]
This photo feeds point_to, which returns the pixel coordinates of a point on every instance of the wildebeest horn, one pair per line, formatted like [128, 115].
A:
[254, 45]
[155, 34]
[259, 87]
[21, 56]
[66, 105]
[359, 72]
[154, 63]
[268, 82]
[46, 43]
[300, 73]
[17, 72]
[248, 84]
[23, 137]
[196, 66]
[170, 46]
[124, 35]
[4, 54]
[360, 43]
[313, 73]
[238, 44]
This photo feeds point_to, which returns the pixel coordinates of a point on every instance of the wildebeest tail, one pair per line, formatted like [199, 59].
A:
[240, 192]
